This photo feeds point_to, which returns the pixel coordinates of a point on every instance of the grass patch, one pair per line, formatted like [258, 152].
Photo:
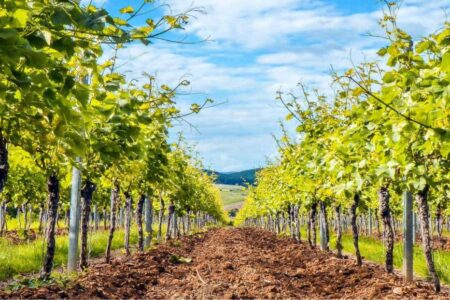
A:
[14, 223]
[27, 258]
[373, 250]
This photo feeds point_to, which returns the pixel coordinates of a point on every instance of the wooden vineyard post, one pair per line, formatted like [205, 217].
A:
[408, 232]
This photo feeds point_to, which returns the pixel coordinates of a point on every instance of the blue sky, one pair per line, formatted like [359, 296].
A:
[255, 48]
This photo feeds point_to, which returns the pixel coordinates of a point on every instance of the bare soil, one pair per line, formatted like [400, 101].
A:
[234, 263]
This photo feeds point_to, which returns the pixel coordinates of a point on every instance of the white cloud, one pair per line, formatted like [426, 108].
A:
[259, 47]
[171, 67]
[265, 23]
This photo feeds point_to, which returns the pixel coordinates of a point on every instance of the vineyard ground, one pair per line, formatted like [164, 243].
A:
[233, 263]
[25, 257]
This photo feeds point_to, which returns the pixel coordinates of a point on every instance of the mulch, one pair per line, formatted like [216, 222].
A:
[234, 263]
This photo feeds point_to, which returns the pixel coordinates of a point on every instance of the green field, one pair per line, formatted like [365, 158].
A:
[232, 195]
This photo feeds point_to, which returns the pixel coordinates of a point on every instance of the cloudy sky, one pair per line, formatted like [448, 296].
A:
[255, 48]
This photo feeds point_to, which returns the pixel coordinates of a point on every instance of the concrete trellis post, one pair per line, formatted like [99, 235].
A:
[408, 233]
[74, 223]
[148, 211]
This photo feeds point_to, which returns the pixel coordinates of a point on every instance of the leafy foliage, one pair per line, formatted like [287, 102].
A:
[386, 126]
[60, 107]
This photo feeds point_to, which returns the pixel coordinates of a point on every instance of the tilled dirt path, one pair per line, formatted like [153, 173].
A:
[234, 263]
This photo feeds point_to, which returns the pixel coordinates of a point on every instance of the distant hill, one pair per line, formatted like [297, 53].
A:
[239, 178]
